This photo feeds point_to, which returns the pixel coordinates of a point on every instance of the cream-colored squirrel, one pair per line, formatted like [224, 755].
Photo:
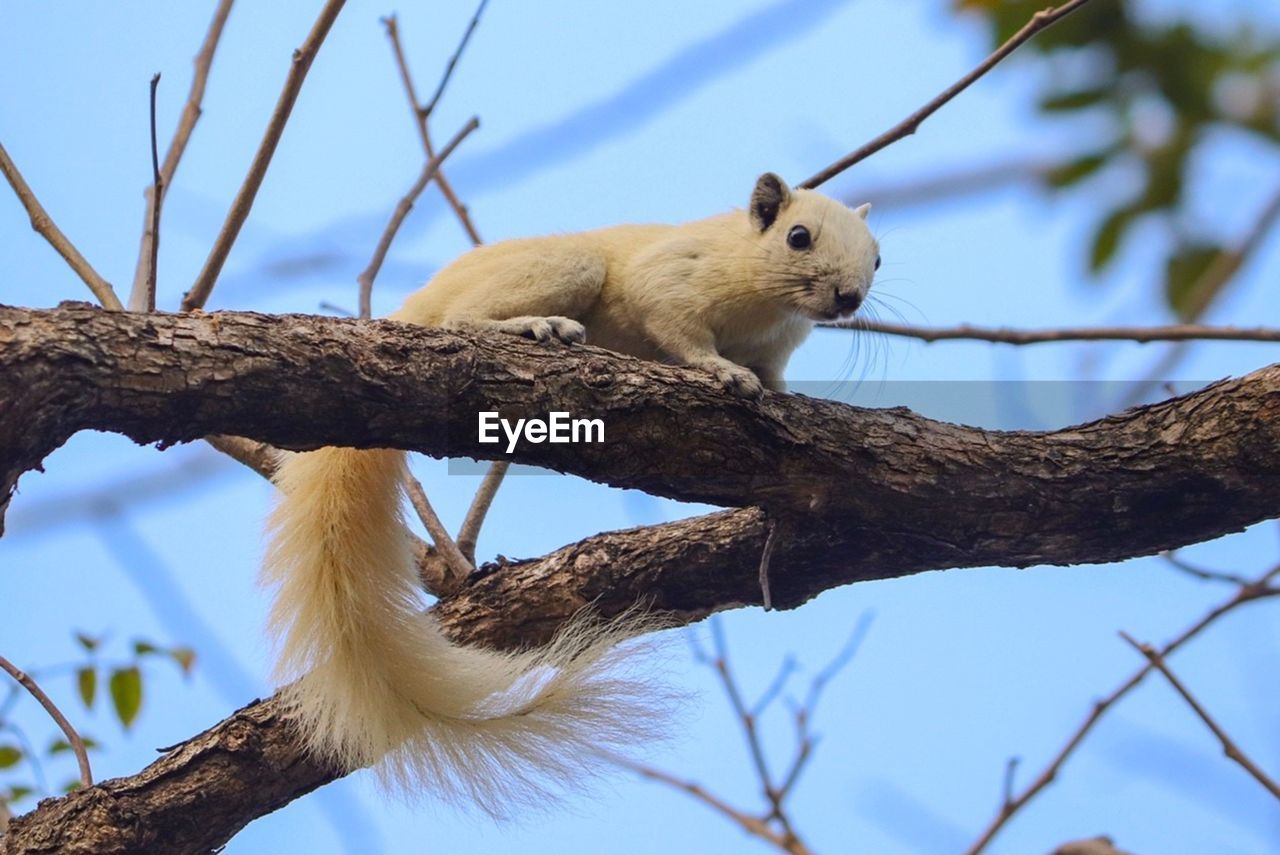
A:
[375, 679]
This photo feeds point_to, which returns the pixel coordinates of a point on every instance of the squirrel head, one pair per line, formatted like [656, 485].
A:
[819, 256]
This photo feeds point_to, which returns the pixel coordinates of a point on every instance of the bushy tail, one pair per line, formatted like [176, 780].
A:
[377, 682]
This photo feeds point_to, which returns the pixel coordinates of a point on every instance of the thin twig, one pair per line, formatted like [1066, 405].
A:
[748, 823]
[453, 61]
[1004, 335]
[469, 533]
[147, 300]
[77, 744]
[302, 59]
[1228, 746]
[367, 276]
[1180, 564]
[181, 135]
[424, 132]
[1256, 590]
[773, 793]
[1010, 779]
[457, 567]
[48, 229]
[766, 556]
[908, 126]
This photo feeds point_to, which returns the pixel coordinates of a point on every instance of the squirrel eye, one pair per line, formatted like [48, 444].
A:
[798, 238]
[877, 262]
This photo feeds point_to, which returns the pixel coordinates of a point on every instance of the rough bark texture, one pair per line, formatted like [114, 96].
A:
[861, 494]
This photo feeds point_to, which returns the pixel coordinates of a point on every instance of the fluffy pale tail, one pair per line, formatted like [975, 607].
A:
[377, 682]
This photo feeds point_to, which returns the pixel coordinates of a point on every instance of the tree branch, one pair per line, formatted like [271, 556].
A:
[908, 126]
[1013, 803]
[1228, 746]
[73, 738]
[1178, 472]
[177, 146]
[302, 59]
[44, 225]
[1003, 335]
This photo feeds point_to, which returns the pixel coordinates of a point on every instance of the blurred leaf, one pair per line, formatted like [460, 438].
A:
[88, 642]
[1107, 239]
[18, 792]
[87, 683]
[185, 657]
[1184, 284]
[72, 785]
[10, 756]
[142, 648]
[126, 694]
[1074, 100]
[61, 746]
[1076, 170]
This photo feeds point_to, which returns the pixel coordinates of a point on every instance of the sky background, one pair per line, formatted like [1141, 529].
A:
[594, 114]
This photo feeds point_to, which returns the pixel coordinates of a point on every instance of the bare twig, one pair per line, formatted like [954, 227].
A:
[1182, 565]
[457, 568]
[1255, 590]
[751, 824]
[469, 533]
[77, 744]
[1228, 746]
[146, 302]
[766, 556]
[424, 132]
[908, 126]
[1010, 779]
[302, 59]
[367, 276]
[1002, 335]
[774, 824]
[177, 146]
[453, 61]
[48, 229]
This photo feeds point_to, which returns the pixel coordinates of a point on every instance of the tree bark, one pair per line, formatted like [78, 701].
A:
[860, 494]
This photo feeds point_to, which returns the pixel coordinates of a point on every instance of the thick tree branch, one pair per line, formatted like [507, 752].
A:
[1146, 480]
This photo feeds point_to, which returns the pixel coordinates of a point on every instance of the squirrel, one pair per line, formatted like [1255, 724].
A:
[374, 679]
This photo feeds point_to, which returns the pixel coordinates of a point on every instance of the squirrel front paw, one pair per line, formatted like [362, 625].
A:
[550, 328]
[736, 379]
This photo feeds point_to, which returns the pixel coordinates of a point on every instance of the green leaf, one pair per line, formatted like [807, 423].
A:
[1074, 100]
[1107, 239]
[185, 657]
[87, 683]
[10, 756]
[72, 785]
[88, 642]
[142, 648]
[126, 693]
[1184, 284]
[59, 746]
[18, 792]
[1075, 171]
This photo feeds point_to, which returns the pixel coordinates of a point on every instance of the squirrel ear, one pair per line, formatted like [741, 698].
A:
[770, 196]
[863, 209]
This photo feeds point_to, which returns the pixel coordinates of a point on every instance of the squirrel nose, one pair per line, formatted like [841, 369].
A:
[848, 301]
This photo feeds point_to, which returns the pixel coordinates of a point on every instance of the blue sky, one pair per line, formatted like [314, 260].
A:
[601, 113]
